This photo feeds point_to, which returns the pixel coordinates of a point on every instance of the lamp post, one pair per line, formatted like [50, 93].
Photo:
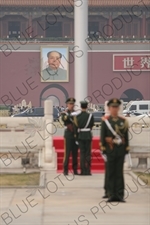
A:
[81, 62]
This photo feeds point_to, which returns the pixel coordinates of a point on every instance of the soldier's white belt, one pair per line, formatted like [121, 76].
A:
[84, 129]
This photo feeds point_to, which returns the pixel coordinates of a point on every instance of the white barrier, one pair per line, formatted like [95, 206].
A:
[28, 137]
[32, 138]
[139, 135]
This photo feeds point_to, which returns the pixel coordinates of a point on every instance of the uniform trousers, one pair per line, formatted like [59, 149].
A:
[115, 176]
[70, 147]
[85, 156]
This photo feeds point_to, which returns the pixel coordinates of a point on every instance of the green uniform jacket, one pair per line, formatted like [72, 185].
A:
[70, 131]
[120, 125]
[80, 121]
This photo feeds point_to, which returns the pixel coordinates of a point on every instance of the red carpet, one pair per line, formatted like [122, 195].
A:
[97, 165]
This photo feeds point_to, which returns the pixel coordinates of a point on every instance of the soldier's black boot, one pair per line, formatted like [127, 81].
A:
[88, 172]
[76, 172]
[105, 196]
[65, 173]
[82, 173]
[120, 199]
[113, 199]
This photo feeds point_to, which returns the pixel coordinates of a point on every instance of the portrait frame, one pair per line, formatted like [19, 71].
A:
[59, 75]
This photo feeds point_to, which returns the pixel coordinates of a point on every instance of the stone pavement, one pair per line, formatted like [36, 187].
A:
[74, 201]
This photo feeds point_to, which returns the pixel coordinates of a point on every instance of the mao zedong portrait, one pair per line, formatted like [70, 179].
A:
[53, 72]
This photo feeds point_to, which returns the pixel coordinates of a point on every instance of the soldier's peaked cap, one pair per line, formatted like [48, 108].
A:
[70, 100]
[83, 103]
[114, 102]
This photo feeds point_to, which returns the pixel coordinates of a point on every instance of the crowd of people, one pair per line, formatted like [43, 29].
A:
[60, 108]
[114, 144]
[17, 109]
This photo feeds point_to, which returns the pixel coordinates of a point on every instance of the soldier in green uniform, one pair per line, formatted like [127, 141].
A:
[70, 145]
[84, 122]
[115, 144]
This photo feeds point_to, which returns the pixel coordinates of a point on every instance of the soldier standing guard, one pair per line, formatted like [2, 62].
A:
[84, 122]
[70, 138]
[115, 144]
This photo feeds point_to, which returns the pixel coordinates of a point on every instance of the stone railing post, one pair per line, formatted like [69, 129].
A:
[48, 154]
[48, 111]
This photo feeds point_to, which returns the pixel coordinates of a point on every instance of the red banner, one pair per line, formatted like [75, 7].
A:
[135, 62]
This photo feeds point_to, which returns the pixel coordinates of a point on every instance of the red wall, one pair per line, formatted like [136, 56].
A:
[20, 69]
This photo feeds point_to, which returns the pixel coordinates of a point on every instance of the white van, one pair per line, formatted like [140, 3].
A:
[142, 107]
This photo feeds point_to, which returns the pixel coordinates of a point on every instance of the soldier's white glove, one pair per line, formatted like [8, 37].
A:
[104, 157]
[75, 113]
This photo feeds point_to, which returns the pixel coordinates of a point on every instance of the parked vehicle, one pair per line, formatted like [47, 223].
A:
[144, 116]
[98, 115]
[37, 112]
[132, 114]
[141, 107]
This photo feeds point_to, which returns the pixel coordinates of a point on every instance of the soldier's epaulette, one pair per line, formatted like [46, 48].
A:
[105, 118]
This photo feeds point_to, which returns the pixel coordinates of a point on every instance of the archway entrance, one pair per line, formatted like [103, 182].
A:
[131, 95]
[55, 100]
[56, 93]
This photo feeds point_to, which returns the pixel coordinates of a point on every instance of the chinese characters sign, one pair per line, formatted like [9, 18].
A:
[131, 62]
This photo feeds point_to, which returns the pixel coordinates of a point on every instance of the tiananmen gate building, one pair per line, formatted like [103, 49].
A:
[118, 43]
